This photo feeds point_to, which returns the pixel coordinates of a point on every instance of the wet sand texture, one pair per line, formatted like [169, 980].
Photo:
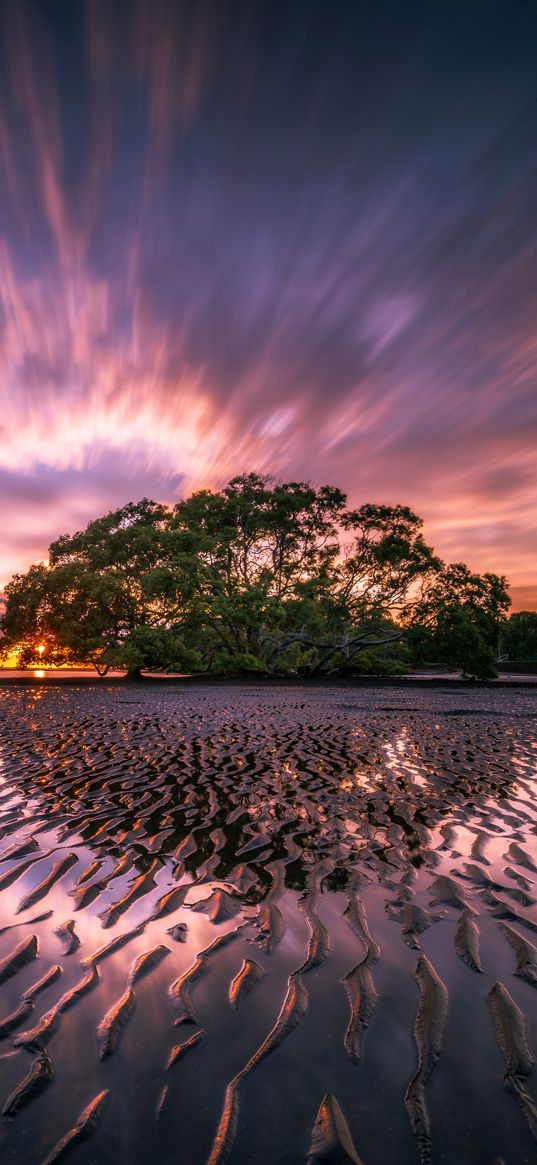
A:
[331, 1139]
[274, 926]
[82, 1128]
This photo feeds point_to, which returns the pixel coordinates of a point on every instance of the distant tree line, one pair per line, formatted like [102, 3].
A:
[262, 576]
[518, 637]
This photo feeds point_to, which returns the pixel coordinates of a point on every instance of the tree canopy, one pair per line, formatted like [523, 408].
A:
[519, 637]
[259, 576]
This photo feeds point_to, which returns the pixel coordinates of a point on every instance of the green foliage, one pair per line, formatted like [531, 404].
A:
[457, 641]
[459, 620]
[385, 562]
[519, 636]
[240, 663]
[101, 586]
[374, 663]
[156, 648]
[261, 576]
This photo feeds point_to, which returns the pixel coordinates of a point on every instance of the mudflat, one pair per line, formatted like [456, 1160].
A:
[274, 926]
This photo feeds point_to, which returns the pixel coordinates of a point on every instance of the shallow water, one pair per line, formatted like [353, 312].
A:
[369, 855]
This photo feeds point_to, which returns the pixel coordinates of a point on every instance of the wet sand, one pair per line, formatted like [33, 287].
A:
[268, 925]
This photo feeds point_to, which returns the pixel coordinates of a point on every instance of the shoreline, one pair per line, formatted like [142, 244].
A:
[87, 679]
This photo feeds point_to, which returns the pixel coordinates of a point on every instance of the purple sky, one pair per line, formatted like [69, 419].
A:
[299, 238]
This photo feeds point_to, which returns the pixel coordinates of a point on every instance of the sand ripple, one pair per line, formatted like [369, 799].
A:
[312, 853]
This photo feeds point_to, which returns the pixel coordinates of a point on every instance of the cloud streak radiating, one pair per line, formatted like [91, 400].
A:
[295, 238]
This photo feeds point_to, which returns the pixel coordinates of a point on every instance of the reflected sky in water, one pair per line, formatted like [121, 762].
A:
[321, 831]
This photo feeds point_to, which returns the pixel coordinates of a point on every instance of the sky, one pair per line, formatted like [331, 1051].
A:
[298, 238]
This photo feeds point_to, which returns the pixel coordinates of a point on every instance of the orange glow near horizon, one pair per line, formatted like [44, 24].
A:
[212, 264]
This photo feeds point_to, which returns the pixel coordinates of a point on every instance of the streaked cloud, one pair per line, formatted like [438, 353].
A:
[239, 236]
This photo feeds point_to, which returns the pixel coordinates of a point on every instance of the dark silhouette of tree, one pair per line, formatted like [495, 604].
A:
[262, 575]
[519, 636]
[458, 621]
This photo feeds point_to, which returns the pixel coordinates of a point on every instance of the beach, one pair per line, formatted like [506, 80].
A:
[268, 923]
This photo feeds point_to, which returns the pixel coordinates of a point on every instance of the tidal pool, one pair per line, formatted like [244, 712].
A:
[270, 925]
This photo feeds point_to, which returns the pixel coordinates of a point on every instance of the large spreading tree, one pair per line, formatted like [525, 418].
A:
[262, 575]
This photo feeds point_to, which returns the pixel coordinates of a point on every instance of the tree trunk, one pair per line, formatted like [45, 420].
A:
[101, 669]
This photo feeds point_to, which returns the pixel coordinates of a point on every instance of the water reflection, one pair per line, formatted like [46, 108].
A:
[316, 835]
